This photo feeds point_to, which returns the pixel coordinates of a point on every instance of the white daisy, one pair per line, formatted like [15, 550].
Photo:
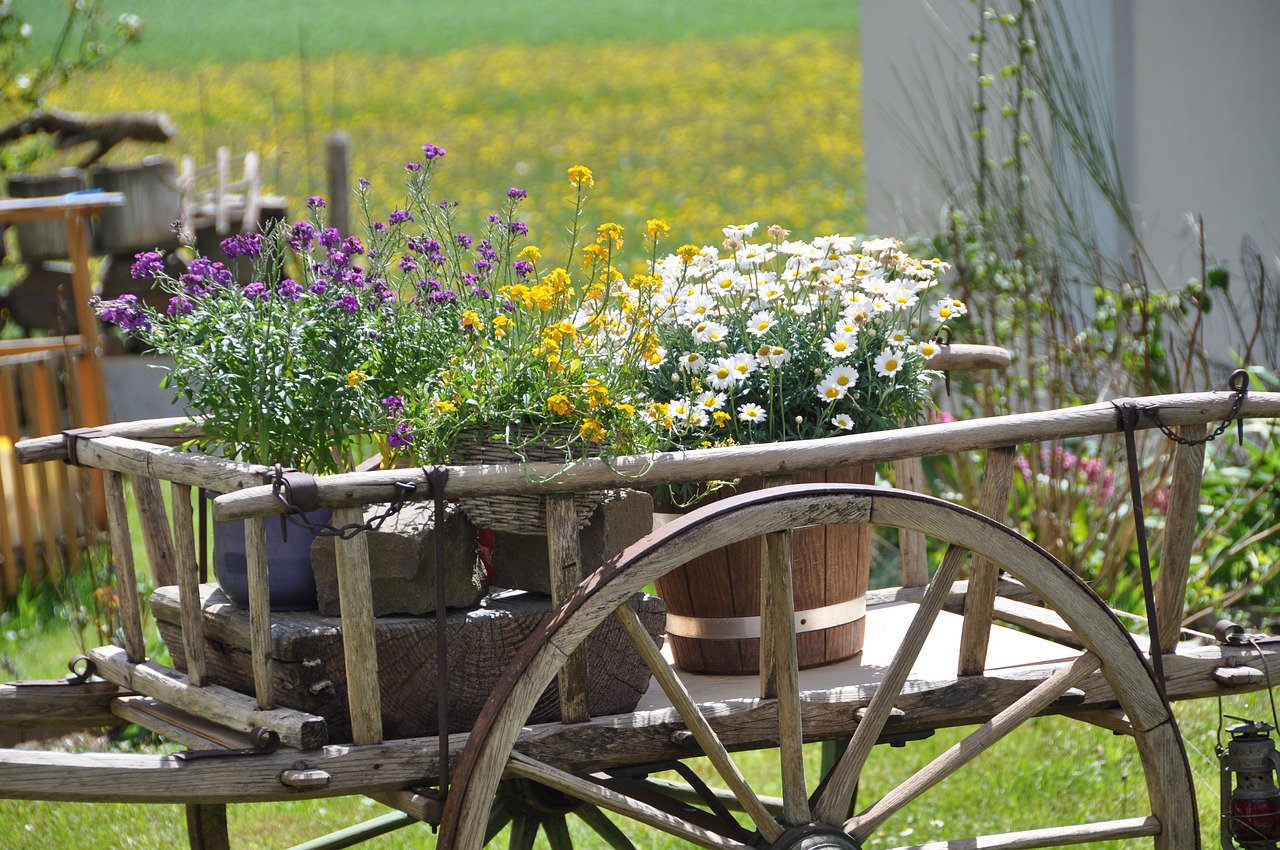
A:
[721, 374]
[693, 362]
[743, 364]
[843, 376]
[889, 363]
[740, 231]
[842, 421]
[830, 391]
[772, 355]
[839, 345]
[760, 322]
[928, 349]
[751, 412]
[942, 311]
[708, 401]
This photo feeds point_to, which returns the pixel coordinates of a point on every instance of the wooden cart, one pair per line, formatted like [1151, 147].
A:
[1023, 636]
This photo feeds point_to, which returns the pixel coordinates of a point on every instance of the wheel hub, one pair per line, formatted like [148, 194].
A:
[814, 837]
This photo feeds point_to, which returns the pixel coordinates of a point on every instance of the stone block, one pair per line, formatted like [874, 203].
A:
[402, 563]
[520, 560]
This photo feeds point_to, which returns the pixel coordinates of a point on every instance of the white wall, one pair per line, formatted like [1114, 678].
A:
[1195, 90]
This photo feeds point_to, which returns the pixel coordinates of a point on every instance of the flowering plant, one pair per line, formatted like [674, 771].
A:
[408, 340]
[792, 340]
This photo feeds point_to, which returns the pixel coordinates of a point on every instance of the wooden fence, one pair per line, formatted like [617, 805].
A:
[52, 512]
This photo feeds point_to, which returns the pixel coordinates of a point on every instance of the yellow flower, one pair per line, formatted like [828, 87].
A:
[656, 228]
[444, 406]
[530, 253]
[593, 254]
[355, 376]
[471, 319]
[580, 174]
[559, 404]
[592, 430]
[609, 232]
[688, 253]
[500, 325]
[721, 418]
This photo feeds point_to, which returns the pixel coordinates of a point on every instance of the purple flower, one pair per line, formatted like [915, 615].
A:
[444, 296]
[394, 405]
[401, 436]
[483, 267]
[302, 236]
[243, 245]
[485, 249]
[364, 183]
[350, 303]
[407, 264]
[523, 268]
[147, 265]
[464, 240]
[379, 227]
[519, 228]
[481, 292]
[494, 218]
[124, 313]
[320, 287]
[180, 306]
[330, 237]
[256, 291]
[399, 217]
[290, 288]
[205, 268]
[352, 245]
[517, 194]
[315, 202]
[431, 152]
[194, 285]
[413, 167]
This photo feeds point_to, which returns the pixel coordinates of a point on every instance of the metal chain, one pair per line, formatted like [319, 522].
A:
[282, 490]
[1239, 384]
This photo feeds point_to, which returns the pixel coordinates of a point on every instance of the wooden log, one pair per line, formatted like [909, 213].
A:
[126, 576]
[564, 557]
[69, 129]
[966, 357]
[997, 481]
[137, 458]
[57, 704]
[1179, 535]
[309, 671]
[221, 705]
[780, 614]
[762, 459]
[359, 646]
[172, 431]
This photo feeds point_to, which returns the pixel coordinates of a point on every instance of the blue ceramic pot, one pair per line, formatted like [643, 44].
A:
[291, 581]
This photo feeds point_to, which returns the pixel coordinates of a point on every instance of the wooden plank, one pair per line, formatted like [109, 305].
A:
[359, 646]
[198, 470]
[156, 537]
[62, 528]
[1179, 536]
[1055, 836]
[564, 559]
[909, 475]
[207, 826]
[993, 501]
[126, 574]
[40, 547]
[761, 459]
[179, 726]
[188, 576]
[428, 809]
[9, 574]
[212, 702]
[255, 543]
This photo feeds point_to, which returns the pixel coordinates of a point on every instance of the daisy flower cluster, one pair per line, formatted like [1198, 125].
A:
[784, 339]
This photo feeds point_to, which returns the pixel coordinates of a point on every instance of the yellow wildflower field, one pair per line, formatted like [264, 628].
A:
[702, 134]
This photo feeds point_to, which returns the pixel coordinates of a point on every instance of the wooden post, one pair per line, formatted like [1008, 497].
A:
[1179, 536]
[359, 645]
[155, 529]
[255, 544]
[979, 602]
[564, 557]
[909, 475]
[126, 578]
[338, 169]
[188, 575]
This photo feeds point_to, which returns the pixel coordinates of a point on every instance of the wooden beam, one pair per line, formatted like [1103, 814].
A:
[997, 480]
[1179, 535]
[564, 560]
[359, 646]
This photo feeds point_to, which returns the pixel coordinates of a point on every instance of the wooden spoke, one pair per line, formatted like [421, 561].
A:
[524, 832]
[1039, 698]
[706, 737]
[528, 768]
[600, 824]
[835, 800]
[499, 817]
[1058, 836]
[780, 614]
[557, 832]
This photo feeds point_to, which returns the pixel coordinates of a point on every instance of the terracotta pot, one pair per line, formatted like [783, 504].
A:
[713, 602]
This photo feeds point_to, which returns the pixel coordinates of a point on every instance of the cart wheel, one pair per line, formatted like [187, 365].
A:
[823, 822]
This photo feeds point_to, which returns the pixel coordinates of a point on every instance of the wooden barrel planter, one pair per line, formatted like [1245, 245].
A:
[713, 602]
[44, 240]
[153, 203]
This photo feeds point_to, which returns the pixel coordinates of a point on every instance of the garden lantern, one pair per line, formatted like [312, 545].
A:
[1250, 810]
